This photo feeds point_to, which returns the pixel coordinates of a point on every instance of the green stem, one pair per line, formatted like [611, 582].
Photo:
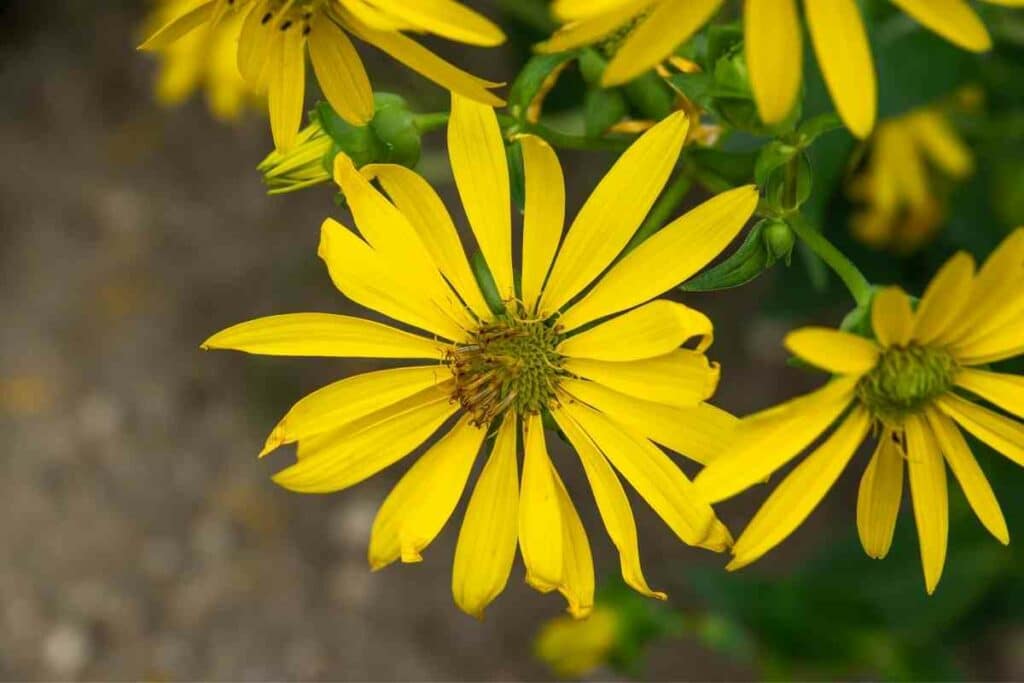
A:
[851, 276]
[662, 211]
[426, 123]
[533, 13]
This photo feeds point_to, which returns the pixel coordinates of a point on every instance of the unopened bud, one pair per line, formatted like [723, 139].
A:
[305, 164]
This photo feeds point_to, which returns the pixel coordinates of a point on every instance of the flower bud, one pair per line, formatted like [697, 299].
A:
[779, 240]
[305, 164]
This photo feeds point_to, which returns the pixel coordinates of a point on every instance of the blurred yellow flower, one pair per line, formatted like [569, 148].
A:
[275, 34]
[773, 43]
[902, 203]
[914, 384]
[201, 60]
[575, 647]
[613, 388]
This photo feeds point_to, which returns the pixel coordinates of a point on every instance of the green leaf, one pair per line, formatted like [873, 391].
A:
[772, 156]
[746, 263]
[486, 281]
[531, 79]
[816, 126]
[650, 96]
[602, 109]
[517, 174]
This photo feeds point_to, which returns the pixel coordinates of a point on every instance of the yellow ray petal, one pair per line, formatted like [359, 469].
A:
[423, 500]
[339, 71]
[878, 501]
[930, 497]
[667, 258]
[954, 20]
[997, 297]
[367, 278]
[681, 378]
[614, 211]
[939, 140]
[1001, 433]
[701, 432]
[654, 476]
[967, 471]
[833, 350]
[844, 56]
[446, 18]
[797, 496]
[323, 334]
[544, 215]
[370, 444]
[571, 10]
[944, 299]
[478, 161]
[254, 45]
[773, 42]
[612, 503]
[594, 27]
[487, 540]
[1005, 391]
[768, 440]
[425, 211]
[577, 563]
[654, 329]
[656, 37]
[342, 402]
[540, 521]
[286, 86]
[180, 26]
[892, 318]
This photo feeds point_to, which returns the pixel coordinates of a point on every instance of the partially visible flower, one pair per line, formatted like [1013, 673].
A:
[573, 648]
[576, 337]
[773, 43]
[915, 386]
[201, 59]
[304, 165]
[903, 202]
[275, 35]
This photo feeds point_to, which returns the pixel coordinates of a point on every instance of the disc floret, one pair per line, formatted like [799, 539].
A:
[905, 380]
[508, 363]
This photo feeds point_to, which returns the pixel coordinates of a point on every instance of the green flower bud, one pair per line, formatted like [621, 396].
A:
[779, 240]
[395, 128]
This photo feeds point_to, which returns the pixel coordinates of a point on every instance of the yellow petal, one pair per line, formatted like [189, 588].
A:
[930, 497]
[892, 318]
[954, 20]
[940, 142]
[1005, 391]
[800, 492]
[446, 18]
[668, 25]
[614, 211]
[334, 461]
[487, 540]
[367, 278]
[773, 42]
[844, 56]
[612, 503]
[967, 471]
[594, 27]
[654, 476]
[423, 500]
[1001, 433]
[681, 378]
[838, 352]
[427, 214]
[571, 10]
[540, 521]
[339, 71]
[423, 61]
[701, 432]
[944, 299]
[654, 329]
[286, 86]
[254, 45]
[323, 334]
[667, 258]
[478, 161]
[180, 26]
[544, 215]
[577, 563]
[768, 440]
[342, 402]
[878, 501]
[997, 297]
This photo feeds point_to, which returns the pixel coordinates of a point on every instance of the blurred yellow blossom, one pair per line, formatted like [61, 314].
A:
[575, 647]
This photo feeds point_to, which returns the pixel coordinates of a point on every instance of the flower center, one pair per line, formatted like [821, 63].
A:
[905, 380]
[508, 363]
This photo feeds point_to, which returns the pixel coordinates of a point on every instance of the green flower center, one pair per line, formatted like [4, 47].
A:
[509, 363]
[905, 380]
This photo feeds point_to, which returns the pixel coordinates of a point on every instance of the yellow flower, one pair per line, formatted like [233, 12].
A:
[915, 384]
[773, 43]
[901, 208]
[596, 353]
[574, 647]
[300, 167]
[201, 61]
[271, 51]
